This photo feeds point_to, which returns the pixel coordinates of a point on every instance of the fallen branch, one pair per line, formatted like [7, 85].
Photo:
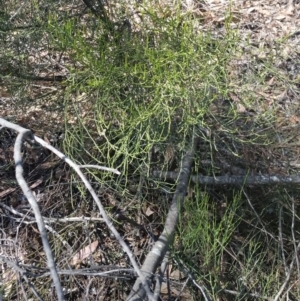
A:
[53, 219]
[77, 169]
[23, 134]
[233, 180]
[161, 246]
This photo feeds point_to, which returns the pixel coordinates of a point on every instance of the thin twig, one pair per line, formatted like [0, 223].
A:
[33, 220]
[257, 216]
[101, 168]
[287, 279]
[187, 271]
[280, 238]
[183, 287]
[22, 272]
[116, 273]
[294, 238]
[54, 219]
[295, 257]
[17, 12]
[24, 133]
[253, 295]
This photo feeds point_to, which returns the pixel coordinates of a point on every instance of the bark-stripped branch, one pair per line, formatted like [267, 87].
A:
[23, 134]
[233, 180]
[160, 248]
[77, 169]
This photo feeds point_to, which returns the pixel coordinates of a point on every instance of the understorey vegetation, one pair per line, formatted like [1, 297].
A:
[191, 108]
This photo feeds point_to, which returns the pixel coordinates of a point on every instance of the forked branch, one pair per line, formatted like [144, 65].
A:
[25, 133]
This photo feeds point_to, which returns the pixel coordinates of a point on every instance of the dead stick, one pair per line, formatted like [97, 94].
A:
[161, 246]
[233, 180]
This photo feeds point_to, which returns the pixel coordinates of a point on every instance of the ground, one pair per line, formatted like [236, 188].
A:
[236, 243]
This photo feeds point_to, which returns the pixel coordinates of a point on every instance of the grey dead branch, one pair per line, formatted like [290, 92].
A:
[25, 133]
[157, 254]
[279, 20]
[233, 180]
[147, 273]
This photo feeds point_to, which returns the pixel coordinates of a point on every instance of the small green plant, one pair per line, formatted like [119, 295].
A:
[204, 231]
[130, 97]
[142, 90]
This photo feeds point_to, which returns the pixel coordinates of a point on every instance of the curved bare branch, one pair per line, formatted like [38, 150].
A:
[107, 220]
[23, 134]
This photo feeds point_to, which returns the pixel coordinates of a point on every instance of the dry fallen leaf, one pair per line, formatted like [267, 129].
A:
[240, 108]
[294, 119]
[271, 81]
[84, 253]
[177, 275]
[149, 211]
[281, 96]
